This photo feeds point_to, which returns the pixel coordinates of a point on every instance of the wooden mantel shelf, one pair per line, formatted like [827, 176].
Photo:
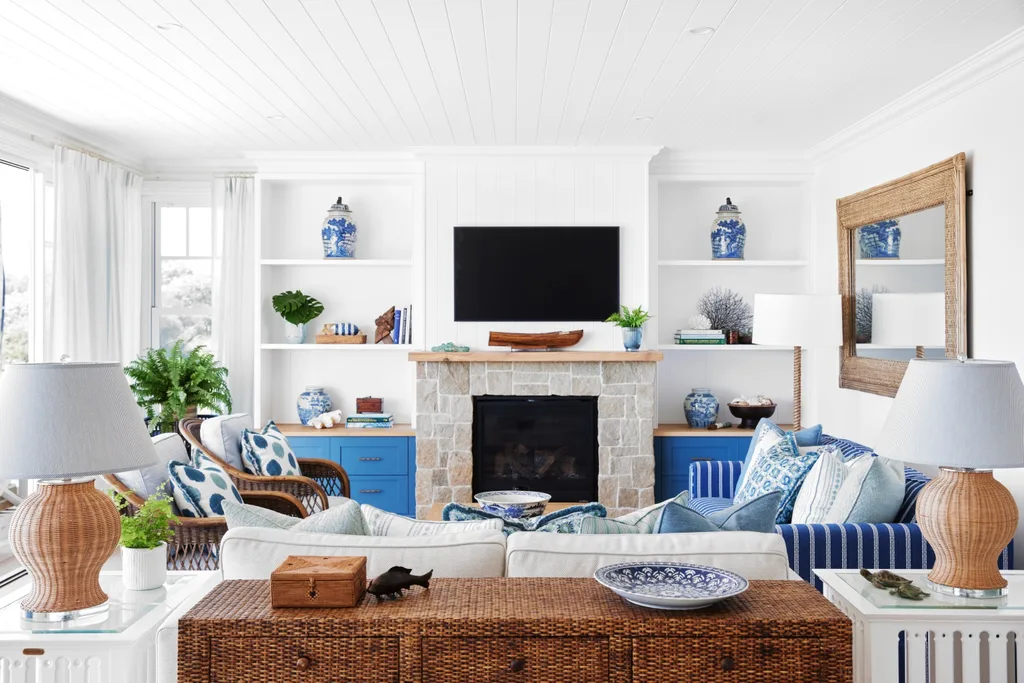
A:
[537, 356]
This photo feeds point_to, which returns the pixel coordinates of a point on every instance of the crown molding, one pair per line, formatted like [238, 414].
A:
[637, 152]
[976, 69]
[731, 166]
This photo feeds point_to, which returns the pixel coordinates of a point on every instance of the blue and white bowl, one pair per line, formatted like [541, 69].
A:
[513, 504]
[670, 585]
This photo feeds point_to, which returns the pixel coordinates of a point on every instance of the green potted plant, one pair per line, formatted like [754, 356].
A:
[298, 310]
[144, 537]
[171, 384]
[632, 324]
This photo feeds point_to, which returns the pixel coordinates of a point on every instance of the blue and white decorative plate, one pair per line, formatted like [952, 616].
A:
[670, 585]
[513, 504]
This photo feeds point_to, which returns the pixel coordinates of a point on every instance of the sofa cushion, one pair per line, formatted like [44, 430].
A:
[200, 489]
[753, 555]
[267, 453]
[754, 515]
[810, 436]
[915, 481]
[820, 486]
[383, 523]
[777, 465]
[565, 521]
[145, 482]
[253, 553]
[872, 492]
[343, 517]
[222, 436]
[706, 506]
[640, 521]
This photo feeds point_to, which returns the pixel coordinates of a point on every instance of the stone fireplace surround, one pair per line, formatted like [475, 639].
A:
[623, 383]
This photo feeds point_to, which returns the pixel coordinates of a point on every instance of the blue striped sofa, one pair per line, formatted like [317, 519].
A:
[898, 545]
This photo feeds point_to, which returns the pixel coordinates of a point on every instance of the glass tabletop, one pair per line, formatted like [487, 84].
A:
[881, 598]
[126, 607]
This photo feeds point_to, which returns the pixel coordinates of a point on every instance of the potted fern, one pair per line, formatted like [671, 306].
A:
[298, 310]
[170, 384]
[144, 537]
[632, 324]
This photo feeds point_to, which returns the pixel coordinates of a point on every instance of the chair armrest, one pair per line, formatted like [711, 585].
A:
[331, 476]
[307, 491]
[277, 501]
[714, 478]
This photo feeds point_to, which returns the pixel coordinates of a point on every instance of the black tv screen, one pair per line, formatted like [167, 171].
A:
[535, 274]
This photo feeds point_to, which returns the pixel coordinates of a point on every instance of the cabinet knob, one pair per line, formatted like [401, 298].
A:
[303, 663]
[369, 490]
[369, 459]
[727, 664]
[517, 665]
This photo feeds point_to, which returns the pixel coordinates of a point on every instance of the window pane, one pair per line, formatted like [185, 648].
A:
[17, 218]
[172, 231]
[200, 232]
[184, 284]
[194, 330]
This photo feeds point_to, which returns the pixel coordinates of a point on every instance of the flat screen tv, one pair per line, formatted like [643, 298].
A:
[536, 274]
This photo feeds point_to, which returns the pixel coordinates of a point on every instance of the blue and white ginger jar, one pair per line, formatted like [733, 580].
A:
[728, 232]
[701, 408]
[339, 232]
[312, 402]
[881, 239]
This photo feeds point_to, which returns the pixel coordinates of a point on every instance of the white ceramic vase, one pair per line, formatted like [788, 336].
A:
[294, 334]
[144, 569]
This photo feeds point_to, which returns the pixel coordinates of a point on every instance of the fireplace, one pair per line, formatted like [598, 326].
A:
[537, 443]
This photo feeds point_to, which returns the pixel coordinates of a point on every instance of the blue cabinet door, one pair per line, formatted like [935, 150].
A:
[372, 455]
[311, 447]
[673, 455]
[387, 492]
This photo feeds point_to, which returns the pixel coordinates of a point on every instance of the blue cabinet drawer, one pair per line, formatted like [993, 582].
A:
[311, 447]
[674, 454]
[373, 456]
[389, 493]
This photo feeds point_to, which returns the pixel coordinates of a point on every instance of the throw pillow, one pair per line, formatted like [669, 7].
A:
[345, 518]
[383, 523]
[200, 489]
[766, 429]
[222, 436]
[565, 521]
[641, 521]
[145, 482]
[778, 465]
[820, 487]
[268, 454]
[754, 515]
[872, 493]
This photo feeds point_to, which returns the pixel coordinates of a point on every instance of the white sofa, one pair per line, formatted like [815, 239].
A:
[251, 553]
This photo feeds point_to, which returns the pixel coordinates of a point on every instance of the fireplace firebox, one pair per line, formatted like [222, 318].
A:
[537, 443]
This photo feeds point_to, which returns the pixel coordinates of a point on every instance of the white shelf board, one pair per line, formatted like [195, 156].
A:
[893, 347]
[359, 348]
[338, 263]
[722, 347]
[895, 262]
[734, 263]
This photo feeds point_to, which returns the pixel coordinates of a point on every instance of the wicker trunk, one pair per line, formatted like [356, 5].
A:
[528, 630]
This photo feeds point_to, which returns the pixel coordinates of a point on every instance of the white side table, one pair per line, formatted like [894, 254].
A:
[940, 631]
[118, 648]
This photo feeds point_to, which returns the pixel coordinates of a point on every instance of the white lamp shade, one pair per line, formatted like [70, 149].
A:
[808, 320]
[908, 319]
[957, 414]
[65, 420]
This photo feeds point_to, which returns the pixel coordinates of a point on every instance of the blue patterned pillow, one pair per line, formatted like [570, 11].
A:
[809, 436]
[565, 521]
[200, 489]
[778, 465]
[268, 454]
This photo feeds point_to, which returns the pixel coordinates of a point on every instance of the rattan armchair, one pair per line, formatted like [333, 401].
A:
[196, 542]
[320, 478]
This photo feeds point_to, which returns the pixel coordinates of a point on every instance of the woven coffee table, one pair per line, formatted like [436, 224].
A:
[529, 630]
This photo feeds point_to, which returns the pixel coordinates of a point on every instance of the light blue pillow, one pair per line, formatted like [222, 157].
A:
[201, 489]
[778, 465]
[754, 515]
[565, 521]
[640, 521]
[344, 517]
[268, 454]
[809, 436]
[872, 492]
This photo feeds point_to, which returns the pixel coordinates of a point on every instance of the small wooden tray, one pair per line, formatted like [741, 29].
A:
[341, 338]
[315, 581]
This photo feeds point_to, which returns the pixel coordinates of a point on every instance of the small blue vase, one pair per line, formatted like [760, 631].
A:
[701, 408]
[631, 338]
[339, 232]
[312, 402]
[881, 239]
[728, 232]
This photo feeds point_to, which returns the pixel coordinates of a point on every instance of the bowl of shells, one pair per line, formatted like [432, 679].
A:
[751, 409]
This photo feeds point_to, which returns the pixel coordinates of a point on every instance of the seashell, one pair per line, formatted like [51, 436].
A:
[699, 322]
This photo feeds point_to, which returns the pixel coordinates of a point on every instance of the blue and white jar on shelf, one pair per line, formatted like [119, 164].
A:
[881, 239]
[312, 402]
[339, 232]
[728, 232]
[701, 408]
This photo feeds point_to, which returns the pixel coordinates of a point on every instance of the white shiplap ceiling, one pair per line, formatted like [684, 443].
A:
[776, 75]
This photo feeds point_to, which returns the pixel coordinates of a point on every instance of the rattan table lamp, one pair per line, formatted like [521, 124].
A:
[62, 423]
[966, 417]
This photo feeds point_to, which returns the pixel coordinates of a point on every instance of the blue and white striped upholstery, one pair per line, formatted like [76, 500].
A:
[849, 449]
[714, 478]
[706, 506]
[915, 482]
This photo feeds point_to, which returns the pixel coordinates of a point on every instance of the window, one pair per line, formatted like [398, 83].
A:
[17, 231]
[182, 275]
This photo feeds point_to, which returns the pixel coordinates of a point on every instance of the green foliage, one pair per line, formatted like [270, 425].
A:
[167, 382]
[630, 318]
[150, 525]
[296, 307]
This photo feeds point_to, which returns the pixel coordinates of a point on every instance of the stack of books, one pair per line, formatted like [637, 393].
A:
[370, 421]
[700, 337]
[402, 333]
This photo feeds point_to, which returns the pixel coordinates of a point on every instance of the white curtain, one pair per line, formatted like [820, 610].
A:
[99, 294]
[234, 301]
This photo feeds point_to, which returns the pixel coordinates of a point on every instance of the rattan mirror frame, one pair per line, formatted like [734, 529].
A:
[943, 183]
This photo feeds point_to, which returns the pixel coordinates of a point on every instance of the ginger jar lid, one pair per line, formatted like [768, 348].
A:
[339, 206]
[728, 207]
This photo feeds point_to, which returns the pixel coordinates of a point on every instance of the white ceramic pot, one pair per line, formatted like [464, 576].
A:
[144, 569]
[294, 334]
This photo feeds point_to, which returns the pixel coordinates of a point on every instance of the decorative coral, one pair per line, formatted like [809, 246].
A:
[865, 310]
[725, 310]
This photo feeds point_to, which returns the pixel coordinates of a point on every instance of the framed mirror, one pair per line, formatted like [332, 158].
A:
[903, 275]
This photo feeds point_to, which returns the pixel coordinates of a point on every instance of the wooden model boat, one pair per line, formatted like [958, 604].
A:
[536, 341]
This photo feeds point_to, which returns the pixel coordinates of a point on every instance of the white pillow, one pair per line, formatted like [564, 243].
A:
[383, 523]
[222, 436]
[145, 482]
[820, 487]
[872, 492]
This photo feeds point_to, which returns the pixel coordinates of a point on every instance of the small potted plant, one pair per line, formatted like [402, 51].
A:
[144, 537]
[170, 384]
[298, 310]
[632, 324]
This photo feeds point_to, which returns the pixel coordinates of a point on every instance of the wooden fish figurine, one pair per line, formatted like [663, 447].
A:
[391, 583]
[884, 579]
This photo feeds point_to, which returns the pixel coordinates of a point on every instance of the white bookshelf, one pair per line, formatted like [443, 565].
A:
[720, 348]
[733, 263]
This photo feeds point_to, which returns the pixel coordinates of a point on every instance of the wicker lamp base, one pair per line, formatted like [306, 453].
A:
[968, 518]
[62, 534]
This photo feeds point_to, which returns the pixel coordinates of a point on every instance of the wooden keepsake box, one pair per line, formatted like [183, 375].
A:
[314, 581]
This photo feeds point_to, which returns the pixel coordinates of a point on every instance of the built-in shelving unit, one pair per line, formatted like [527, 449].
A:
[716, 348]
[733, 263]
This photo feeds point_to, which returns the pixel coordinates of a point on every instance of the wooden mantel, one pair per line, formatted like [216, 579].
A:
[536, 356]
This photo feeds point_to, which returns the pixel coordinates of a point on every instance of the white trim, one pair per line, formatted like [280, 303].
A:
[490, 151]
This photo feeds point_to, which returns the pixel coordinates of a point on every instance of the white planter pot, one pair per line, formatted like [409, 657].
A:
[144, 569]
[294, 334]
